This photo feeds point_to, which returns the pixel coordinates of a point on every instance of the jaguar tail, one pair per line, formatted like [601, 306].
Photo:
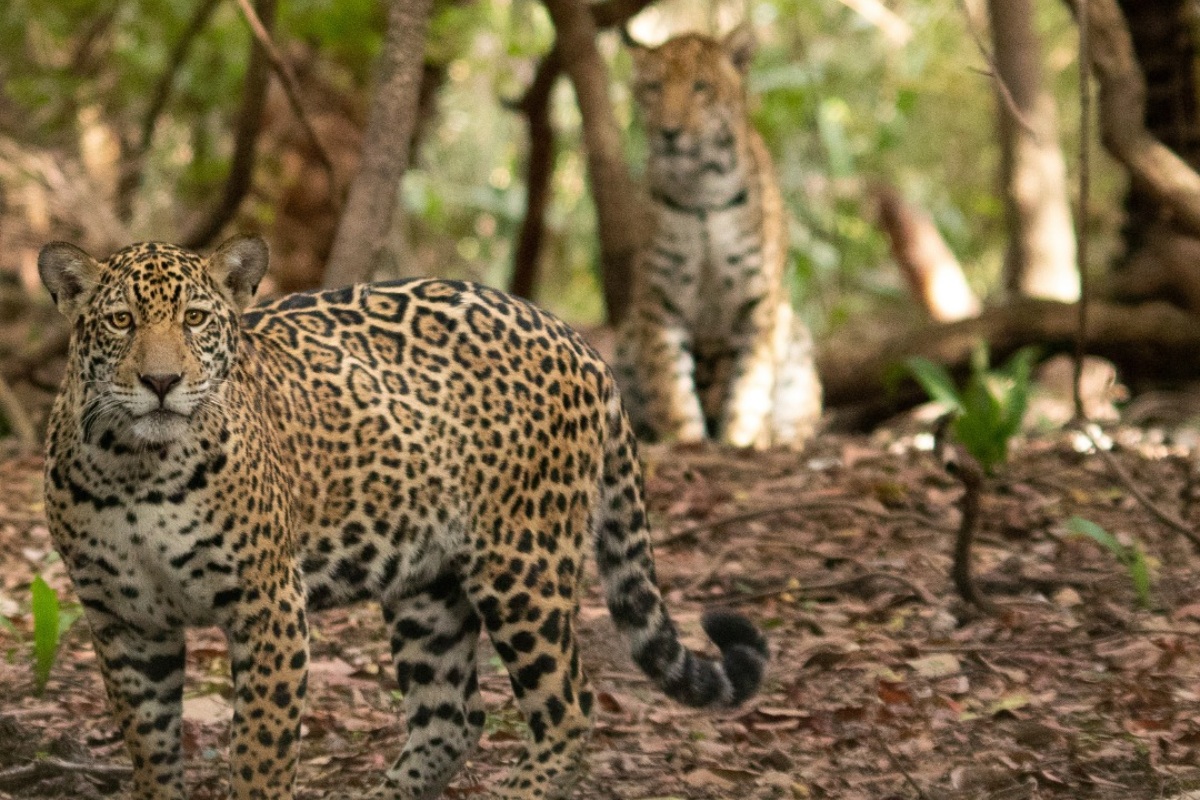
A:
[626, 565]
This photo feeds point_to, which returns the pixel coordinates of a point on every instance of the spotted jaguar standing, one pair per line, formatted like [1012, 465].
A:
[712, 348]
[440, 447]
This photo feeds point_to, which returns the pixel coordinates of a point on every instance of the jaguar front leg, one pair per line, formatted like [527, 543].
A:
[143, 674]
[666, 375]
[747, 410]
[268, 652]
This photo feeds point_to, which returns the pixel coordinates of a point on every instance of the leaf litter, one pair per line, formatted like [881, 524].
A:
[883, 683]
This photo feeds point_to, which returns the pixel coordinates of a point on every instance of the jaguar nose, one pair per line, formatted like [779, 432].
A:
[160, 384]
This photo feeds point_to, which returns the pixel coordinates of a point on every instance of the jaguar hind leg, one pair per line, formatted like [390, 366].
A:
[434, 636]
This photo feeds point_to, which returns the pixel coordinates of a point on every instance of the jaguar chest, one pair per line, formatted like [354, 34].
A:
[710, 265]
[145, 548]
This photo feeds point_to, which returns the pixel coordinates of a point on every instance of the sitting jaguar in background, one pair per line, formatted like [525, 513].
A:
[440, 447]
[712, 348]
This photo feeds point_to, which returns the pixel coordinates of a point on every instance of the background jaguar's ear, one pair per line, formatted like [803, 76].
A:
[70, 274]
[637, 50]
[237, 267]
[739, 45]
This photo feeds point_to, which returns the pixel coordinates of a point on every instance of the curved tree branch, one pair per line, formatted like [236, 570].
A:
[291, 89]
[249, 124]
[131, 175]
[1122, 106]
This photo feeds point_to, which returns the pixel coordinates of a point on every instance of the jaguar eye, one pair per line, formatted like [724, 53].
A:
[700, 87]
[195, 317]
[121, 320]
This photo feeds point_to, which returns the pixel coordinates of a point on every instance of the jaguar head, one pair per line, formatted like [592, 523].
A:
[691, 95]
[155, 330]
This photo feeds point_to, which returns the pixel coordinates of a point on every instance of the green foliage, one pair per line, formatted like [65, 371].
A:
[1132, 557]
[989, 408]
[50, 623]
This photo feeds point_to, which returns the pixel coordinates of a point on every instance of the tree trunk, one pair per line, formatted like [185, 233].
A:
[361, 244]
[620, 209]
[1040, 261]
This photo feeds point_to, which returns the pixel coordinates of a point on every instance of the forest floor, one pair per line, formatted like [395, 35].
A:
[882, 684]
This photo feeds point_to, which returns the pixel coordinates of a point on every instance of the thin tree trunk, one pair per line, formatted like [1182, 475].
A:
[1040, 261]
[535, 105]
[249, 124]
[361, 244]
[619, 206]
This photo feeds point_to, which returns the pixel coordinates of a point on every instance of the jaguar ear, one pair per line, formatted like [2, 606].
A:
[69, 274]
[238, 266]
[637, 50]
[739, 45]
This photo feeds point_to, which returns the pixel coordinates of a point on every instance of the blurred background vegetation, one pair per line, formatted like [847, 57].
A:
[843, 103]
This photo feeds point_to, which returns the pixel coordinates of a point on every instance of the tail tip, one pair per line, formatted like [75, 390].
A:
[744, 651]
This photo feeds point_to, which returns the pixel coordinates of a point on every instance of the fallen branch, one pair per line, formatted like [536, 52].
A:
[1153, 340]
[962, 465]
[805, 505]
[799, 588]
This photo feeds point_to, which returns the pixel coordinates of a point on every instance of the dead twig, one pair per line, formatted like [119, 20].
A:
[1159, 513]
[51, 767]
[899, 766]
[809, 589]
[962, 465]
[804, 505]
[993, 72]
[291, 89]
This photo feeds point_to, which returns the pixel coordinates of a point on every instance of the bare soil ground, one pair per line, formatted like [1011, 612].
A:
[883, 683]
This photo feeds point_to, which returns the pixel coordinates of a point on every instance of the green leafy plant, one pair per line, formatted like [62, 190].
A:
[1131, 556]
[51, 621]
[988, 409]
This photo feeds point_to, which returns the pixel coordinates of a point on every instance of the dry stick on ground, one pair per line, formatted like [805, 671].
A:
[52, 767]
[962, 465]
[249, 125]
[896, 763]
[801, 588]
[292, 90]
[805, 505]
[1161, 514]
